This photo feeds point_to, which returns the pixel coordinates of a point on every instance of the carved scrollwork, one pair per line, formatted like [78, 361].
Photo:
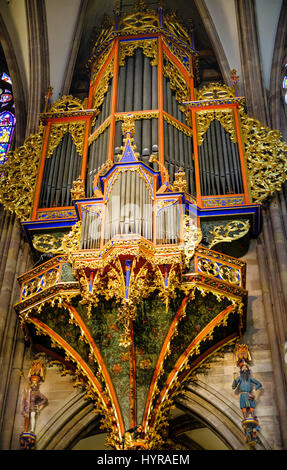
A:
[48, 243]
[71, 241]
[215, 91]
[225, 117]
[20, 172]
[139, 21]
[78, 190]
[192, 236]
[149, 47]
[175, 27]
[67, 103]
[177, 82]
[266, 158]
[103, 85]
[229, 232]
[57, 131]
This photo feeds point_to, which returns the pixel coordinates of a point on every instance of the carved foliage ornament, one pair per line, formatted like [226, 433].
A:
[264, 148]
[177, 82]
[20, 174]
[266, 154]
[103, 85]
[67, 103]
[57, 131]
[149, 47]
[229, 232]
[225, 117]
[192, 236]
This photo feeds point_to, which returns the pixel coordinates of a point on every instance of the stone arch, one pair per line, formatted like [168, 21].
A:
[73, 421]
[218, 412]
[76, 419]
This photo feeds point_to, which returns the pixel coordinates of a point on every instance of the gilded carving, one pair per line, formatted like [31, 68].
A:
[227, 273]
[229, 232]
[71, 241]
[180, 183]
[78, 190]
[149, 47]
[173, 26]
[77, 130]
[177, 82]
[20, 173]
[141, 20]
[67, 103]
[103, 85]
[138, 115]
[99, 130]
[265, 157]
[192, 236]
[182, 128]
[214, 91]
[47, 243]
[225, 117]
[180, 54]
[100, 62]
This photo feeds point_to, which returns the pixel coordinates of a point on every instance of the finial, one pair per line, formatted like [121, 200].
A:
[235, 79]
[48, 97]
[128, 126]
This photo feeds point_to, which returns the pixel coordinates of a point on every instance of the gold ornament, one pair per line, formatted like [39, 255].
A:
[192, 236]
[229, 232]
[20, 171]
[148, 46]
[78, 190]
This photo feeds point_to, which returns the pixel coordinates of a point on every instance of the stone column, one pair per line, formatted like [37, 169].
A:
[253, 82]
[15, 261]
[271, 245]
[39, 61]
[279, 56]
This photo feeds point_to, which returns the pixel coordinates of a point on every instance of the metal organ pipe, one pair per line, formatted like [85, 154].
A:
[167, 231]
[60, 170]
[219, 163]
[137, 91]
[138, 82]
[97, 153]
[129, 207]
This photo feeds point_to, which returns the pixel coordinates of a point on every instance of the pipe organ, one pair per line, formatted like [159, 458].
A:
[147, 74]
[140, 193]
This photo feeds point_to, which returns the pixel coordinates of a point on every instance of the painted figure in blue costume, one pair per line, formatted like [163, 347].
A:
[246, 386]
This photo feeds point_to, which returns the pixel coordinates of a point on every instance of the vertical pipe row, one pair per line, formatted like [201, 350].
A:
[178, 154]
[138, 91]
[97, 155]
[219, 163]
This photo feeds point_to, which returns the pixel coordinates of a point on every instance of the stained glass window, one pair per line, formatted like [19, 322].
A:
[6, 78]
[7, 117]
[7, 124]
[284, 82]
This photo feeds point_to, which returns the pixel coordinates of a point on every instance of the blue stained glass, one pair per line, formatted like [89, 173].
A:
[7, 123]
[284, 84]
[6, 78]
[5, 97]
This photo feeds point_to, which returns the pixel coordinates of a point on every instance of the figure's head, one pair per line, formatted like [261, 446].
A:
[34, 382]
[244, 371]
